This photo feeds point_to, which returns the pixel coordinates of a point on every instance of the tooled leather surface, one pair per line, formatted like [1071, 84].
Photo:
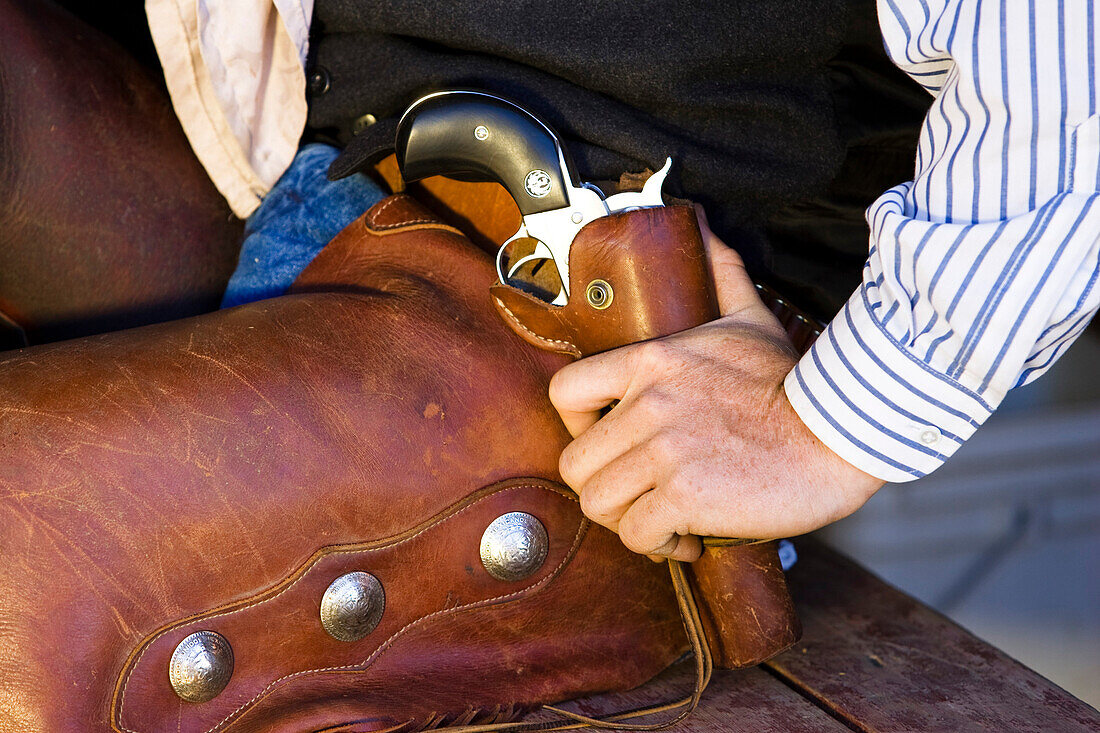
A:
[107, 219]
[154, 475]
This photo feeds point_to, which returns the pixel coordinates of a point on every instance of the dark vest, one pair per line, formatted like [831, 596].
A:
[784, 118]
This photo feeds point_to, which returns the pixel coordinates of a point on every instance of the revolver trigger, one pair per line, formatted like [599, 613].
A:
[542, 252]
[561, 298]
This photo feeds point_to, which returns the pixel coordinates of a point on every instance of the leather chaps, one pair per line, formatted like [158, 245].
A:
[218, 473]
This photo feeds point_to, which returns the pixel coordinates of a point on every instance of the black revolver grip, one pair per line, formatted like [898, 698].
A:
[479, 136]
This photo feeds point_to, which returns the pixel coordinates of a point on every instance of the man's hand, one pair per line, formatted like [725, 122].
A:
[703, 441]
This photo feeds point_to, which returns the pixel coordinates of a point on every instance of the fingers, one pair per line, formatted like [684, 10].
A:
[731, 280]
[579, 391]
[616, 434]
[611, 490]
[628, 497]
[649, 527]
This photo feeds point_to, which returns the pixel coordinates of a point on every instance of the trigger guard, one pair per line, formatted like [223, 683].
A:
[540, 252]
[522, 233]
[523, 261]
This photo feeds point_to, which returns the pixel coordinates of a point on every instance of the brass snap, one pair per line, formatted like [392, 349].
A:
[599, 294]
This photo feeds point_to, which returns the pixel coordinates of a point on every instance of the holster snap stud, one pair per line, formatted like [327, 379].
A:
[599, 294]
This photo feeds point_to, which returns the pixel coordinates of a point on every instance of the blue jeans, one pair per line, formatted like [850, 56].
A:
[298, 217]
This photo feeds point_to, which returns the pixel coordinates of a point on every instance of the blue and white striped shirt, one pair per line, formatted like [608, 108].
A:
[984, 268]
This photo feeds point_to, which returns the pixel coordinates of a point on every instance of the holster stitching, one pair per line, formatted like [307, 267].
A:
[572, 348]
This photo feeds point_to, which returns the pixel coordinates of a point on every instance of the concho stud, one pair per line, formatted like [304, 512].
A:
[201, 666]
[514, 546]
[352, 606]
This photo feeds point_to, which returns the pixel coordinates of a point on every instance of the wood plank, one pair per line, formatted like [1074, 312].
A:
[742, 701]
[885, 662]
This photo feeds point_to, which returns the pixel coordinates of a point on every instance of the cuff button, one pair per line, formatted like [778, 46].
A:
[930, 436]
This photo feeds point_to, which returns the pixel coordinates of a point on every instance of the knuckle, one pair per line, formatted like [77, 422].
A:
[676, 486]
[672, 490]
[594, 505]
[655, 356]
[683, 496]
[568, 466]
[662, 448]
[560, 387]
[638, 535]
[729, 256]
[632, 539]
[652, 405]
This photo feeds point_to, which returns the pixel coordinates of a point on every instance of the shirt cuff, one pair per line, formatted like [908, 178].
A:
[875, 404]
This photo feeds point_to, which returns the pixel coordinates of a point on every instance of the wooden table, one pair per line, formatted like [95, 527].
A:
[871, 659]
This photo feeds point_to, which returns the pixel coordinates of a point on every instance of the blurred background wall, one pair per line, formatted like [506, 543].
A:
[1005, 538]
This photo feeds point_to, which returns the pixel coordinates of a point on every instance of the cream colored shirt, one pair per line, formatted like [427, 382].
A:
[236, 75]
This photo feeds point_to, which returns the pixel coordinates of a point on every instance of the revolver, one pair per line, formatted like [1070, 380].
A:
[481, 136]
[647, 276]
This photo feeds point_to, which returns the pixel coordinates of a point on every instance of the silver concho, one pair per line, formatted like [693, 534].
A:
[352, 606]
[514, 546]
[538, 183]
[201, 666]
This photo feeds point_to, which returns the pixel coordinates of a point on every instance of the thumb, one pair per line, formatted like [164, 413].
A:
[735, 290]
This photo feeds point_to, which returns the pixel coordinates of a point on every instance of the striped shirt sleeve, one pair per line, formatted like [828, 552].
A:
[983, 269]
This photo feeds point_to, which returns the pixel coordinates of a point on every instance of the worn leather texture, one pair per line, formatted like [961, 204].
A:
[218, 472]
[747, 612]
[107, 219]
[656, 265]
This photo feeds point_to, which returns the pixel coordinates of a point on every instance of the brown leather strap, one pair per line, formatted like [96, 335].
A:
[800, 325]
